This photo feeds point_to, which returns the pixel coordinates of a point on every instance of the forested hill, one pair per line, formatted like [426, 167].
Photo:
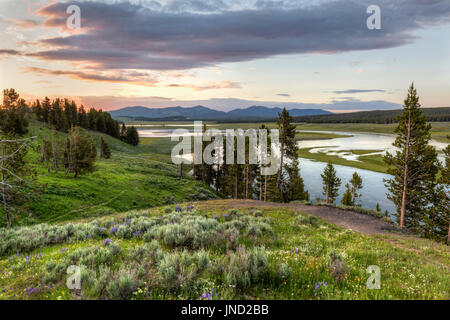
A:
[379, 116]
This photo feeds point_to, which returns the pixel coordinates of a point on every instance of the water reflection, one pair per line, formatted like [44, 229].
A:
[373, 190]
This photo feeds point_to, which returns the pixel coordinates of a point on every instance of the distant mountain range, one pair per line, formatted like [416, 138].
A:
[203, 113]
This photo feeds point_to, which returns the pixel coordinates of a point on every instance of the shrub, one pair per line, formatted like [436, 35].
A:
[337, 266]
[245, 267]
[179, 270]
[311, 220]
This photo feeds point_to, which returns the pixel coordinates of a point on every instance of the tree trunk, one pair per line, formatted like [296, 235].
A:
[260, 189]
[281, 165]
[236, 184]
[5, 203]
[327, 194]
[246, 181]
[55, 155]
[405, 173]
[448, 236]
[265, 188]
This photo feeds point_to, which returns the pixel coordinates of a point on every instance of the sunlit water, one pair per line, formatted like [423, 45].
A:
[373, 191]
[358, 141]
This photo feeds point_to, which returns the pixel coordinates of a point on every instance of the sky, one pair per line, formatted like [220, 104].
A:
[227, 54]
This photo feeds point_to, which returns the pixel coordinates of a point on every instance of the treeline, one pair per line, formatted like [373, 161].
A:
[76, 153]
[62, 114]
[246, 181]
[379, 116]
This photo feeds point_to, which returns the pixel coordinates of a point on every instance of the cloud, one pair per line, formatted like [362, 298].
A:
[8, 52]
[211, 86]
[143, 79]
[283, 95]
[349, 91]
[191, 34]
[25, 23]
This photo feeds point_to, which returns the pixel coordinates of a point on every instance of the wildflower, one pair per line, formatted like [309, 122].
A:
[114, 229]
[107, 241]
[215, 216]
[63, 250]
[295, 250]
[318, 285]
[137, 233]
[177, 209]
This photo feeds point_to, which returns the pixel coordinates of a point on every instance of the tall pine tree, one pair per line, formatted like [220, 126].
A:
[413, 166]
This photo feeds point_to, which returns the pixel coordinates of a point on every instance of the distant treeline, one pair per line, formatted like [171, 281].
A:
[62, 114]
[379, 116]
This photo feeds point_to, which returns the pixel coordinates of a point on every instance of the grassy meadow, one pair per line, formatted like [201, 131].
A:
[367, 162]
[193, 251]
[134, 178]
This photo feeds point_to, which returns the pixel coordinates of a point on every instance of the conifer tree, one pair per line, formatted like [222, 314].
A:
[46, 156]
[331, 183]
[289, 183]
[105, 151]
[132, 136]
[347, 199]
[45, 109]
[436, 222]
[356, 185]
[37, 109]
[378, 207]
[80, 154]
[413, 166]
[13, 120]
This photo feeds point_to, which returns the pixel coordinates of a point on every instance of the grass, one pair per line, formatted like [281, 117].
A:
[367, 162]
[439, 130]
[301, 252]
[134, 178]
[318, 136]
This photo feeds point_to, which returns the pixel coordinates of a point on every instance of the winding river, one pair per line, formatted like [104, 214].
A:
[374, 190]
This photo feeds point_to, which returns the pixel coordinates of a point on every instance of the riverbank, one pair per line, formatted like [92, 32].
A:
[367, 162]
[439, 130]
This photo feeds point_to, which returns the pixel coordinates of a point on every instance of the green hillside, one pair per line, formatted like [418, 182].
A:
[134, 178]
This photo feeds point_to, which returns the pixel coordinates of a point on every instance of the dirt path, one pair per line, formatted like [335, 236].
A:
[350, 220]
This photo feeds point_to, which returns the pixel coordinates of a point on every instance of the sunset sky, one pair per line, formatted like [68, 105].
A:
[226, 54]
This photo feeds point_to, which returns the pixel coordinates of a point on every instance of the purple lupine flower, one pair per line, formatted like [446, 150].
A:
[295, 250]
[63, 250]
[318, 285]
[114, 229]
[215, 216]
[178, 209]
[107, 242]
[102, 229]
[137, 233]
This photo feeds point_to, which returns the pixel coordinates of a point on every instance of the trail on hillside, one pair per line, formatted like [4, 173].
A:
[350, 220]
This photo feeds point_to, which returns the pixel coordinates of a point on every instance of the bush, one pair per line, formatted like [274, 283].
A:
[337, 266]
[245, 267]
[179, 270]
[311, 220]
